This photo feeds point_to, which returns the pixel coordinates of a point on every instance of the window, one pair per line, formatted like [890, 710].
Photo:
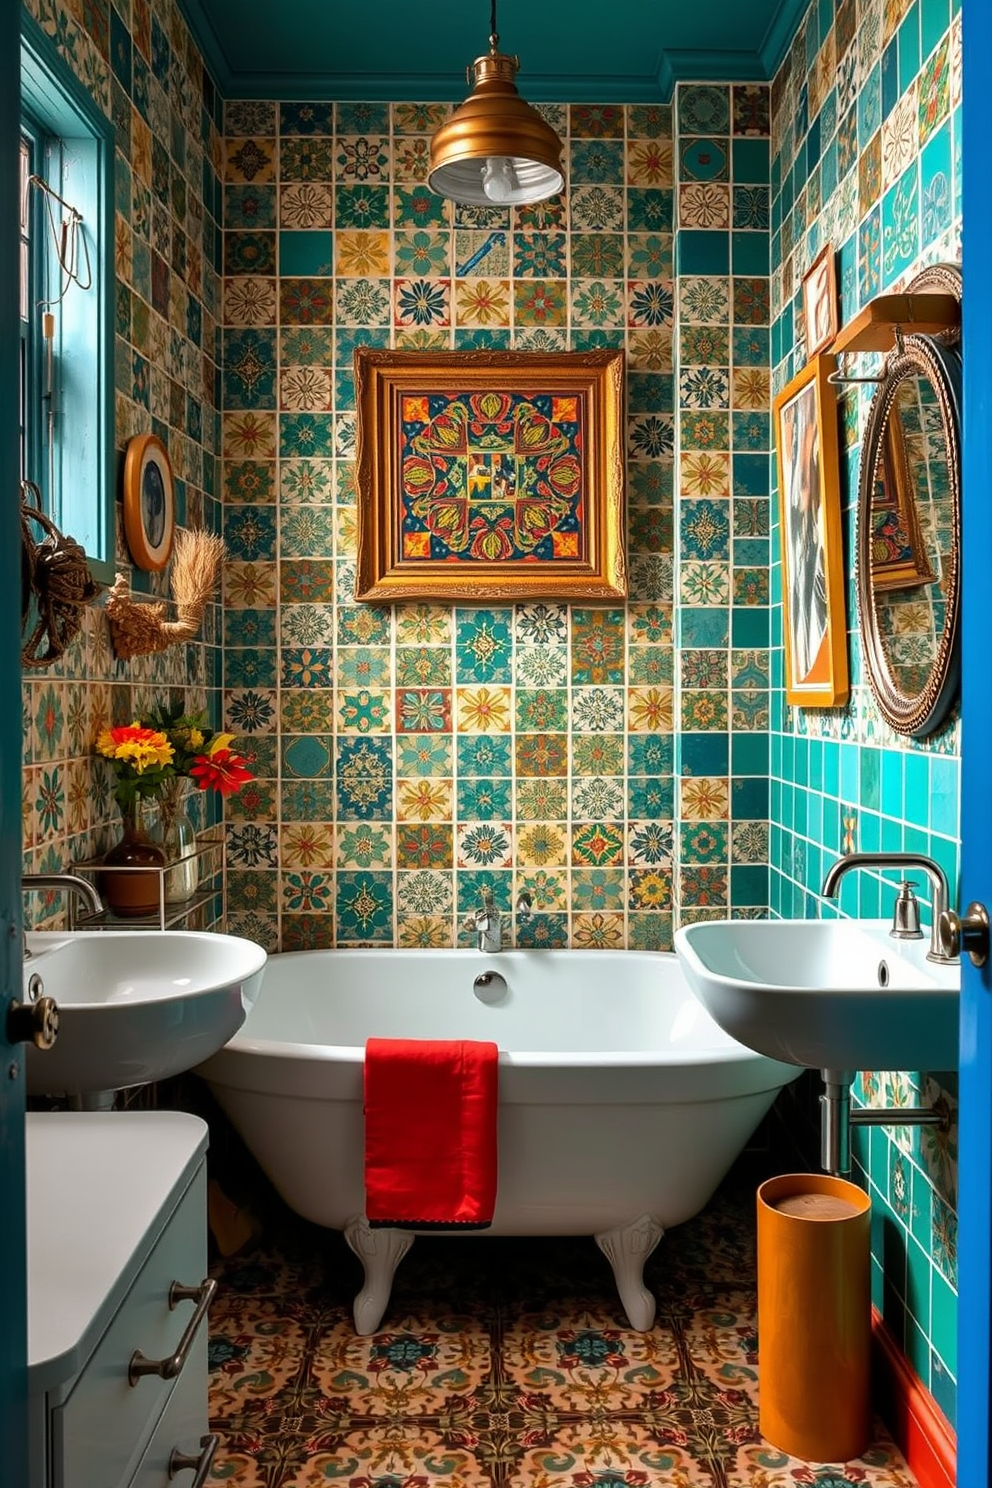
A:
[66, 300]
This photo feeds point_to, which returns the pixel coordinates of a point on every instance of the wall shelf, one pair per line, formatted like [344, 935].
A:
[874, 328]
[208, 853]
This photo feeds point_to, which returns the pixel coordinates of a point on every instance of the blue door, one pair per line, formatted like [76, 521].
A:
[13, 1324]
[975, 1198]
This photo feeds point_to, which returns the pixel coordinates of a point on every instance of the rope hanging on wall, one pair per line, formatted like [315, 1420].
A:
[56, 576]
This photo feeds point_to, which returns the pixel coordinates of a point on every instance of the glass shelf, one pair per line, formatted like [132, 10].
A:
[208, 852]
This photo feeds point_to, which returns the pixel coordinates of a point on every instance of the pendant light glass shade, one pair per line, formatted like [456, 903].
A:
[495, 148]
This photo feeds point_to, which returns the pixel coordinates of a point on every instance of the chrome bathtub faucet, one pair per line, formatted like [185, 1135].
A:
[899, 861]
[487, 924]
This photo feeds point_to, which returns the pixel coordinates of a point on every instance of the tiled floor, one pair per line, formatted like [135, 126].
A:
[502, 1362]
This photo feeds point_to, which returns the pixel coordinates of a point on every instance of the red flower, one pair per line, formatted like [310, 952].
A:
[223, 770]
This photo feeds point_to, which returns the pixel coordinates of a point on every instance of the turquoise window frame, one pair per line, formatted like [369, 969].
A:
[81, 143]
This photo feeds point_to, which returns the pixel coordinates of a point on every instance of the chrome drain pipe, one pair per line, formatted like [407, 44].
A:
[837, 1118]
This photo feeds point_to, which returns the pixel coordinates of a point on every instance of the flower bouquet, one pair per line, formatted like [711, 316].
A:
[155, 758]
[142, 762]
[201, 757]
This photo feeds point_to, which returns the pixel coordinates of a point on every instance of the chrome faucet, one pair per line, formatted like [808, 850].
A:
[898, 861]
[524, 907]
[66, 883]
[487, 924]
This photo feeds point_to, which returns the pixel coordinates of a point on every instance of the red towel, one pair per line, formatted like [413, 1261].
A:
[430, 1132]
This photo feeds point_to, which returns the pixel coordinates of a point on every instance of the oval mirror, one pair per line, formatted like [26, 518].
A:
[909, 534]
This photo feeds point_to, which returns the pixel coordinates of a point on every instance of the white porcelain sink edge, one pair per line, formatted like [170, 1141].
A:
[137, 1005]
[840, 994]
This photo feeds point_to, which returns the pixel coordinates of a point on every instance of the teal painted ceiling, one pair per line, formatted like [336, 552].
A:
[605, 51]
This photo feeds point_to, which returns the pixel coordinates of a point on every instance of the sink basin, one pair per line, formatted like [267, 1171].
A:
[137, 1005]
[831, 994]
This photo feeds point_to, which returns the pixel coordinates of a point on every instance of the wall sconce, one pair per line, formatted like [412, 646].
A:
[495, 149]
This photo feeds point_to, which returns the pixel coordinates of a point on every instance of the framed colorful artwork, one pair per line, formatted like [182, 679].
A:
[820, 302]
[149, 502]
[813, 583]
[490, 475]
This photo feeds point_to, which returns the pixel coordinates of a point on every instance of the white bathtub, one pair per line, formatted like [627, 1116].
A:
[622, 1104]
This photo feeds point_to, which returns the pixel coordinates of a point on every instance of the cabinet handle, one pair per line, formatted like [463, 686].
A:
[168, 1368]
[183, 1461]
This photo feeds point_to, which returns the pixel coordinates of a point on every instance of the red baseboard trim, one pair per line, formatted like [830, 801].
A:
[918, 1425]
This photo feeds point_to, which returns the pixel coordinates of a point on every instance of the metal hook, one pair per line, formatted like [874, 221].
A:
[840, 379]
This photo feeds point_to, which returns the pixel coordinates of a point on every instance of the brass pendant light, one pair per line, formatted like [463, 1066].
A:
[495, 149]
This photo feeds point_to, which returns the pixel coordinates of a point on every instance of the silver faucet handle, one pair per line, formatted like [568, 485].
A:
[524, 905]
[906, 913]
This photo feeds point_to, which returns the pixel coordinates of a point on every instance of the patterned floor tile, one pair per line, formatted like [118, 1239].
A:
[416, 1367]
[502, 1363]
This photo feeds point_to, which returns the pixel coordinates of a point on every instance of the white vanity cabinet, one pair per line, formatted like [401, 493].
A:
[117, 1299]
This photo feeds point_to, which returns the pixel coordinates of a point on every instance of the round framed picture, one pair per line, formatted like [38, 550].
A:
[149, 502]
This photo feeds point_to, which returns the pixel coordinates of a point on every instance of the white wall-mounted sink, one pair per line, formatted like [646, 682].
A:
[137, 1005]
[830, 994]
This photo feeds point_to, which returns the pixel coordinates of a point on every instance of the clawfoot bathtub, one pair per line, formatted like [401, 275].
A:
[622, 1104]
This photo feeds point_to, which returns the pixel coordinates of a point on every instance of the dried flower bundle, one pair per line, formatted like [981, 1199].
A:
[138, 628]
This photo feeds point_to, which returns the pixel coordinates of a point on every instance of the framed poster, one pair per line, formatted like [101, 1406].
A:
[813, 581]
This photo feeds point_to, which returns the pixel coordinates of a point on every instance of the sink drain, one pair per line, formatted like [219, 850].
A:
[883, 974]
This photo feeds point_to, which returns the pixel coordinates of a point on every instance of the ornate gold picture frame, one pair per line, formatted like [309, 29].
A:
[820, 310]
[813, 583]
[490, 475]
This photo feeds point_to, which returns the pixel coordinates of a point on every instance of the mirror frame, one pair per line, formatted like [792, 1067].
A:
[938, 358]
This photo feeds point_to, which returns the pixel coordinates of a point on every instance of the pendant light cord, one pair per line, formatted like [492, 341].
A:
[493, 33]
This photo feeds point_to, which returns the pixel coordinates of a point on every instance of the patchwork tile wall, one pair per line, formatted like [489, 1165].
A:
[723, 394]
[410, 757]
[142, 67]
[866, 156]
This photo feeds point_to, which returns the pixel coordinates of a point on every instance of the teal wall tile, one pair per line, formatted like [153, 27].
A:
[936, 185]
[943, 1320]
[305, 253]
[749, 251]
[750, 161]
[703, 252]
[935, 19]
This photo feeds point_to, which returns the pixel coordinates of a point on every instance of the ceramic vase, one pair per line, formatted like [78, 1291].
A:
[135, 889]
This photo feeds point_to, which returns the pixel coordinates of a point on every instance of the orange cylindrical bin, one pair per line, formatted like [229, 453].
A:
[814, 1316]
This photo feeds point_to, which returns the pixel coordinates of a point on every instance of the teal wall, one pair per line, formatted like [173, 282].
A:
[143, 69]
[866, 156]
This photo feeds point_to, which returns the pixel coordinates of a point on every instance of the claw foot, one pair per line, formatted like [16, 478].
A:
[627, 1248]
[380, 1252]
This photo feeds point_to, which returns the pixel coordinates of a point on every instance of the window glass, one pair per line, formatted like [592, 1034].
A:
[66, 265]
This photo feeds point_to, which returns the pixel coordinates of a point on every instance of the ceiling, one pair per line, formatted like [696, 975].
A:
[620, 51]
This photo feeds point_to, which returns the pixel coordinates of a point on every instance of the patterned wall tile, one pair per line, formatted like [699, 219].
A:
[143, 69]
[457, 747]
[723, 397]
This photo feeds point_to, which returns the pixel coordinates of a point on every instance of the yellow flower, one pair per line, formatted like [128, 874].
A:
[141, 748]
